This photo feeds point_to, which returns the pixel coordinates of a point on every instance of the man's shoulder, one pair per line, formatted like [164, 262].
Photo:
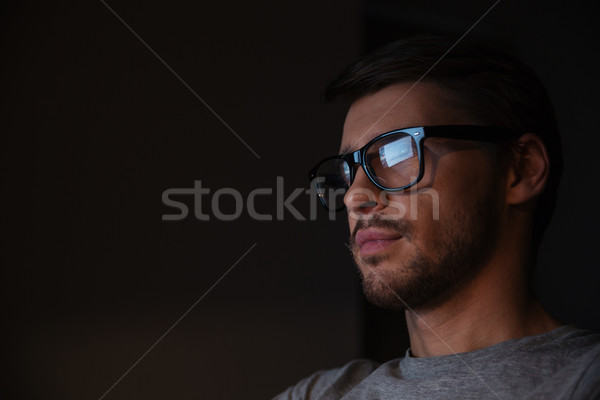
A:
[569, 341]
[563, 363]
[577, 375]
[331, 383]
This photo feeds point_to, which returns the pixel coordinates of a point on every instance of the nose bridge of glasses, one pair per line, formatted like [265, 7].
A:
[354, 160]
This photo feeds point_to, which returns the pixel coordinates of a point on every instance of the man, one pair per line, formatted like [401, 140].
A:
[449, 173]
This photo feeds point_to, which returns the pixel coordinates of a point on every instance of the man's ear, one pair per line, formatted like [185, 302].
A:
[529, 170]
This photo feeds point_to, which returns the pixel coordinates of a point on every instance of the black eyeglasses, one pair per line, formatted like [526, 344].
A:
[393, 160]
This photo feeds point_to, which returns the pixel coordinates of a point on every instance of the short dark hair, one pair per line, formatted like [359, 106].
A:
[489, 85]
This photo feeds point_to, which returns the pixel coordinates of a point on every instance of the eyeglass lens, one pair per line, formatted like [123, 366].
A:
[392, 161]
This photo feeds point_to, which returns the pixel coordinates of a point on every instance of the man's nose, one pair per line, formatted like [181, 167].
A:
[363, 196]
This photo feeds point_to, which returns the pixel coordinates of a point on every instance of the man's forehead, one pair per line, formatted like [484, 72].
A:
[394, 107]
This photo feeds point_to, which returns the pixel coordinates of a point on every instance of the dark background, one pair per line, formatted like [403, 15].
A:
[95, 128]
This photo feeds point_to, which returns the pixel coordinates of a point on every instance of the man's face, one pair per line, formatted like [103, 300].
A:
[407, 254]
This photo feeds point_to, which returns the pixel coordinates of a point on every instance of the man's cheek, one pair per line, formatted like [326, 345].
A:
[421, 204]
[425, 204]
[395, 208]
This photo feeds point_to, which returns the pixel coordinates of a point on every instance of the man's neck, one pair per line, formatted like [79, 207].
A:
[490, 310]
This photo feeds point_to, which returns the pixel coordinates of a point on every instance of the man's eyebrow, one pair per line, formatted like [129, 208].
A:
[346, 150]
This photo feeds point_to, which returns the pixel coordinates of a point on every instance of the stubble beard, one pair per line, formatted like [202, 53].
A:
[432, 275]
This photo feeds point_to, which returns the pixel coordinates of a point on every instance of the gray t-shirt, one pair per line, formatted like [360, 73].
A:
[561, 364]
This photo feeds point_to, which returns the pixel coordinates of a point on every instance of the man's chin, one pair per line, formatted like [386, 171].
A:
[399, 287]
[378, 283]
[379, 293]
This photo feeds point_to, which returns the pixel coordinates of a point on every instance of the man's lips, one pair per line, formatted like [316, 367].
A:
[370, 241]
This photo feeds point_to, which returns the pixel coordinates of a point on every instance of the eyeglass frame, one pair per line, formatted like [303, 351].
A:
[479, 133]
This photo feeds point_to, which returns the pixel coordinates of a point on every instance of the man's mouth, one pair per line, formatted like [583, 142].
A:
[371, 241]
